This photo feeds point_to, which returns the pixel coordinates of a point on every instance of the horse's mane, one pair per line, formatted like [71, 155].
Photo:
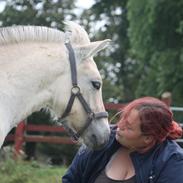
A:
[17, 34]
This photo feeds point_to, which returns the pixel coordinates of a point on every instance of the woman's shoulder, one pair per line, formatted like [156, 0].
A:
[169, 164]
[174, 149]
[168, 151]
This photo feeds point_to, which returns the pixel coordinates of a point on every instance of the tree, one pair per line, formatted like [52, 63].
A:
[146, 57]
[156, 41]
[37, 12]
[116, 67]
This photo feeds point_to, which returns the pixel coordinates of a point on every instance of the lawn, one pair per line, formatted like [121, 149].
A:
[29, 172]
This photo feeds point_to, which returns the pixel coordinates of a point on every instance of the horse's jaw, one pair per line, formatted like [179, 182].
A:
[95, 136]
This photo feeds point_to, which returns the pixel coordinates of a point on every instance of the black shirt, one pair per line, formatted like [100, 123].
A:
[103, 178]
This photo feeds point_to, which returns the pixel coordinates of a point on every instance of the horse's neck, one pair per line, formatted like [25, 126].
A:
[25, 80]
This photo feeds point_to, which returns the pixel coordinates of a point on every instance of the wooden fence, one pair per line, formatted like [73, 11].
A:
[21, 134]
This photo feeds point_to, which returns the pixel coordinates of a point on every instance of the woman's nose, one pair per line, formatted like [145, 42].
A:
[121, 126]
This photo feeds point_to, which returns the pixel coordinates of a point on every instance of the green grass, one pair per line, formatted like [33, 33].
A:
[29, 172]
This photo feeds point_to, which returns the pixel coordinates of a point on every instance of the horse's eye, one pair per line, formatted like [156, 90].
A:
[96, 84]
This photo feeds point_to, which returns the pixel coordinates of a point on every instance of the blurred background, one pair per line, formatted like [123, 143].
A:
[146, 57]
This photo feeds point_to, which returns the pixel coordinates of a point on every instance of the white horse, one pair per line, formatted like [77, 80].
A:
[35, 73]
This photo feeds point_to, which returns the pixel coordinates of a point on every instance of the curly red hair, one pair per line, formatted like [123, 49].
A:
[156, 118]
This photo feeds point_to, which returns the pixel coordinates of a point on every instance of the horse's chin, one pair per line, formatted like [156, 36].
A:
[95, 143]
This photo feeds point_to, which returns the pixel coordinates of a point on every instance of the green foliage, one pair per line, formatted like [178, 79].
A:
[36, 12]
[146, 56]
[116, 67]
[60, 154]
[155, 33]
[22, 172]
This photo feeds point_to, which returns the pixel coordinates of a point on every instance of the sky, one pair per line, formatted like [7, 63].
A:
[2, 4]
[85, 4]
[81, 4]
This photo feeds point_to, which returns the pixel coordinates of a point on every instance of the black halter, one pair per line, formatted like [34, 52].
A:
[75, 92]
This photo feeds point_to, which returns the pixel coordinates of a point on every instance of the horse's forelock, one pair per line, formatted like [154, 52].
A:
[78, 34]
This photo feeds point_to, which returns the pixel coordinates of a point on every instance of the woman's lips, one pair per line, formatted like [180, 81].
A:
[118, 132]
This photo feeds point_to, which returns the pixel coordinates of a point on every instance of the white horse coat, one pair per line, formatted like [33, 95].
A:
[35, 73]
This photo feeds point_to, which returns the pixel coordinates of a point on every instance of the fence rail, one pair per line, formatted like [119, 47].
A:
[176, 108]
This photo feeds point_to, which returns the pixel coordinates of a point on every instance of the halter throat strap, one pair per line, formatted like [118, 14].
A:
[75, 92]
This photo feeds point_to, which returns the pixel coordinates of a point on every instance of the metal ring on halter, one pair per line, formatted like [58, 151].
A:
[91, 115]
[75, 90]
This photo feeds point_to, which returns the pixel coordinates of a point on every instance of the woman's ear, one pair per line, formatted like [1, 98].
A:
[148, 139]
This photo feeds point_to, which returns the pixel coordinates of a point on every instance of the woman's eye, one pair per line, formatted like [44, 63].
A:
[96, 84]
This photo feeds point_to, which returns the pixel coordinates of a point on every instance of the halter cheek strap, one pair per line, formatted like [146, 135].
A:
[75, 92]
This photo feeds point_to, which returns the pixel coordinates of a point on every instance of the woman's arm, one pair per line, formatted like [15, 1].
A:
[75, 170]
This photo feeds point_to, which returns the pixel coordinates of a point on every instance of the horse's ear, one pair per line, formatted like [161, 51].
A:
[85, 51]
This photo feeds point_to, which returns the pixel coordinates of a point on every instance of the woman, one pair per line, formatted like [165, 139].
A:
[141, 149]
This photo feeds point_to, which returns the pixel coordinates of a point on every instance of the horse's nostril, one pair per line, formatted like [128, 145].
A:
[94, 140]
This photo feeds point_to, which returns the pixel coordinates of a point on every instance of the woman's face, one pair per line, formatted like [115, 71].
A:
[129, 133]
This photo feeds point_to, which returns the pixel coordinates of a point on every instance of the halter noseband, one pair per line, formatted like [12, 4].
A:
[75, 92]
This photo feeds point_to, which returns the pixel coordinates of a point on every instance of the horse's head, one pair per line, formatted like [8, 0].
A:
[81, 95]
[36, 72]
